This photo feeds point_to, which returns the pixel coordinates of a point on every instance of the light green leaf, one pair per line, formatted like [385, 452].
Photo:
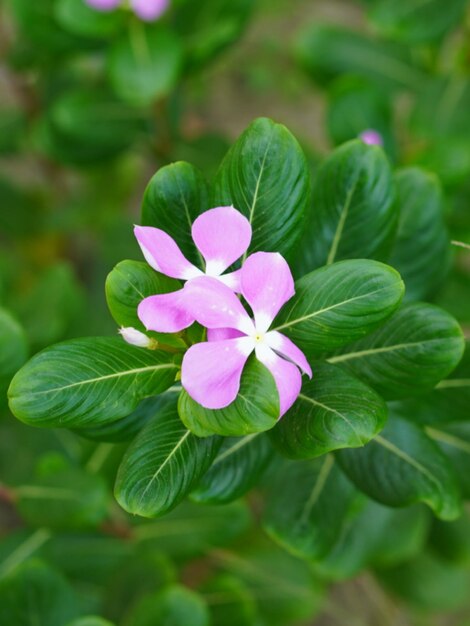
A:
[175, 196]
[265, 176]
[175, 606]
[239, 465]
[236, 605]
[334, 410]
[352, 214]
[145, 65]
[163, 464]
[402, 466]
[306, 506]
[90, 381]
[337, 304]
[421, 252]
[255, 409]
[419, 346]
[90, 620]
[79, 18]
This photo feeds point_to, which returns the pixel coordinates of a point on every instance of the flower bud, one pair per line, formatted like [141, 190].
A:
[371, 137]
[136, 338]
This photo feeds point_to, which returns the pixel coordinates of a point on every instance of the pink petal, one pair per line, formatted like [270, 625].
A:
[232, 280]
[216, 306]
[266, 284]
[211, 372]
[286, 375]
[283, 346]
[149, 10]
[165, 313]
[163, 254]
[222, 236]
[371, 137]
[103, 5]
[220, 334]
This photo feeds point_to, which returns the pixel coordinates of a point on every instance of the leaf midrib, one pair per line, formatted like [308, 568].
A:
[398, 346]
[332, 410]
[340, 226]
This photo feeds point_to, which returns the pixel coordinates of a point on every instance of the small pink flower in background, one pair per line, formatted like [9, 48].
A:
[211, 371]
[147, 10]
[222, 235]
[371, 137]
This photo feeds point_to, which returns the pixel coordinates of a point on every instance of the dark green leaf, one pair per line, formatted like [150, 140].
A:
[69, 499]
[13, 350]
[454, 440]
[144, 66]
[352, 215]
[90, 381]
[402, 466]
[265, 176]
[91, 620]
[80, 19]
[237, 468]
[451, 540]
[421, 252]
[334, 410]
[337, 304]
[173, 606]
[234, 605]
[307, 505]
[419, 346]
[163, 464]
[175, 196]
[255, 409]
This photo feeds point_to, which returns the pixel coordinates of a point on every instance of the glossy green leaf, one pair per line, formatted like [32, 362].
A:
[328, 51]
[127, 285]
[163, 464]
[265, 176]
[239, 465]
[421, 252]
[255, 409]
[419, 346]
[402, 466]
[175, 606]
[355, 105]
[415, 21]
[175, 196]
[13, 350]
[79, 18]
[337, 304]
[68, 499]
[307, 505]
[144, 66]
[334, 410]
[352, 214]
[192, 530]
[37, 592]
[90, 381]
[375, 535]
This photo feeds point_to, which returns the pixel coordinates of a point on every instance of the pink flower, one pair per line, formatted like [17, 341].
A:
[147, 10]
[211, 371]
[221, 235]
[371, 137]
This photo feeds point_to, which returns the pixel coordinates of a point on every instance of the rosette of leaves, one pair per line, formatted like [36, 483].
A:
[340, 448]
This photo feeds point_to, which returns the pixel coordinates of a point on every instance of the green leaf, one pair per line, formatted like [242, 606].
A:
[337, 304]
[91, 620]
[13, 350]
[239, 465]
[36, 594]
[173, 606]
[80, 19]
[451, 540]
[328, 51]
[416, 21]
[175, 196]
[191, 530]
[352, 215]
[163, 464]
[145, 65]
[307, 505]
[127, 285]
[265, 176]
[69, 499]
[255, 409]
[90, 381]
[421, 252]
[419, 346]
[324, 419]
[402, 466]
[454, 441]
[235, 604]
